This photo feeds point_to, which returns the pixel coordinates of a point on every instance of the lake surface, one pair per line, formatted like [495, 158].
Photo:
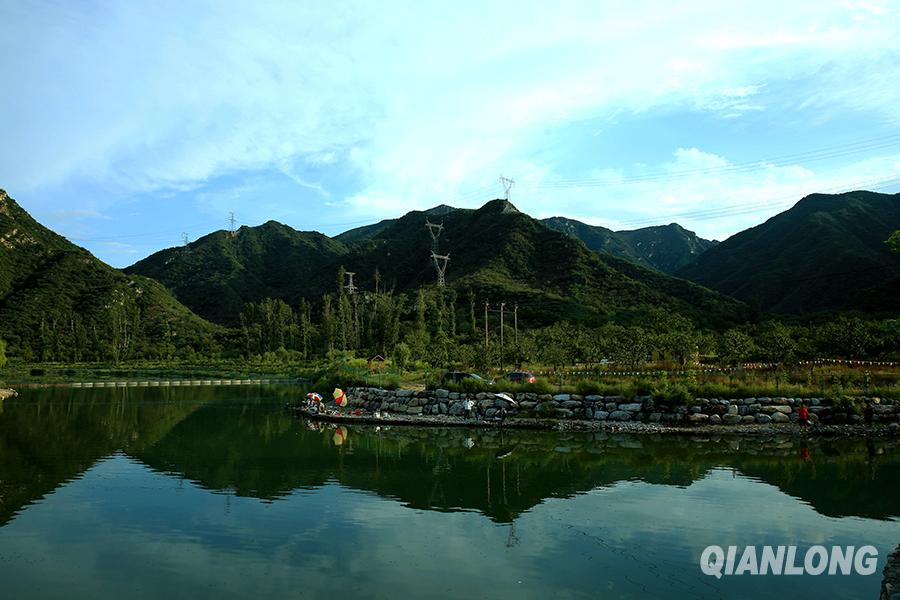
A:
[220, 493]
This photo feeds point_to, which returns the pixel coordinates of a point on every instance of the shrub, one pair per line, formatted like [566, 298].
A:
[545, 410]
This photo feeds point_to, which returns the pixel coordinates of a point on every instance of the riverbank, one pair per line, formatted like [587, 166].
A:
[639, 414]
[581, 425]
[7, 393]
[619, 409]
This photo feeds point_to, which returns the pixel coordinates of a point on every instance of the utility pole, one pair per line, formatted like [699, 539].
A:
[485, 327]
[502, 304]
[440, 265]
[231, 222]
[507, 184]
[516, 323]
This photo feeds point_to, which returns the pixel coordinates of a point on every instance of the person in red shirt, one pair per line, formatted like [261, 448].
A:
[803, 415]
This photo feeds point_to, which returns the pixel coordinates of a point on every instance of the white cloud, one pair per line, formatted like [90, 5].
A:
[416, 104]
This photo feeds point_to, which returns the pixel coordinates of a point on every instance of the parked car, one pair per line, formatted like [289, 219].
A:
[458, 376]
[521, 377]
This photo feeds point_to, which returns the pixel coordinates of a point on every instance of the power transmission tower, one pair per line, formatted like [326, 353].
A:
[440, 264]
[507, 184]
[184, 239]
[435, 230]
[231, 222]
[351, 289]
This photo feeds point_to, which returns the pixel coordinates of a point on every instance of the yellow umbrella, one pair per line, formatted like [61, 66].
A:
[340, 398]
[340, 436]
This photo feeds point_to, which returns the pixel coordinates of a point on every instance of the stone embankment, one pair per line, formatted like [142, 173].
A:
[617, 409]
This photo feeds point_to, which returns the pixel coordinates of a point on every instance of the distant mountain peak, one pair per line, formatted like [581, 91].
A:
[440, 209]
[498, 206]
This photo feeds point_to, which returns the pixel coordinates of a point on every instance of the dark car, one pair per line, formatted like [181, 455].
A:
[458, 376]
[521, 377]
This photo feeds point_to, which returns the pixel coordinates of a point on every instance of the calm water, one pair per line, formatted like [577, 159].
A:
[217, 492]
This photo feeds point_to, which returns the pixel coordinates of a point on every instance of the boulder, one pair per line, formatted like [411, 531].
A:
[562, 398]
[572, 404]
[620, 415]
[763, 418]
[698, 418]
[715, 419]
[600, 415]
[441, 393]
[632, 407]
[780, 417]
[456, 409]
[731, 419]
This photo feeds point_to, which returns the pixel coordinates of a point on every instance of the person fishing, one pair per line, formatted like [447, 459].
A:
[468, 405]
[868, 413]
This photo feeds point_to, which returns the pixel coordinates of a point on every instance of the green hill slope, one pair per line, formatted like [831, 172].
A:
[496, 251]
[506, 255]
[58, 301]
[665, 248]
[215, 275]
[826, 253]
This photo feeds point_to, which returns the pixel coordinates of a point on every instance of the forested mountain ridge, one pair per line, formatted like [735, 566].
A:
[665, 248]
[826, 253]
[59, 302]
[218, 273]
[496, 253]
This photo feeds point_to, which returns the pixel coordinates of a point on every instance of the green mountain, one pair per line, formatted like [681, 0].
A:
[665, 248]
[826, 253]
[367, 232]
[505, 255]
[217, 274]
[58, 301]
[495, 251]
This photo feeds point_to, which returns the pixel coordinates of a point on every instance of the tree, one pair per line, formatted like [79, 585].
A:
[735, 347]
[402, 356]
[2, 353]
[893, 241]
[776, 343]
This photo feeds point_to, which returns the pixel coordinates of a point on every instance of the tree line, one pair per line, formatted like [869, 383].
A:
[442, 327]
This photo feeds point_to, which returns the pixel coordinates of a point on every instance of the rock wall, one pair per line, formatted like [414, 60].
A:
[617, 408]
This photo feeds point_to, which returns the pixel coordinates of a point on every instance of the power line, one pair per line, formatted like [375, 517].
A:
[784, 160]
[748, 208]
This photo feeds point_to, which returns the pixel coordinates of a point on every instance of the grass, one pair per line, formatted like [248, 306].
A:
[835, 382]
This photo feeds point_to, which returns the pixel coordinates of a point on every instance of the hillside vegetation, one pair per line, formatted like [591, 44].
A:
[57, 301]
[665, 248]
[826, 253]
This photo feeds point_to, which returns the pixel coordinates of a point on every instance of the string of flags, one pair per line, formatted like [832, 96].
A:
[708, 369]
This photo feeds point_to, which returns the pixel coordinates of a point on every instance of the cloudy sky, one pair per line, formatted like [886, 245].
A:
[127, 124]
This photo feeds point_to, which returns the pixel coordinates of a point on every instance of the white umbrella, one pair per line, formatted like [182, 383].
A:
[506, 398]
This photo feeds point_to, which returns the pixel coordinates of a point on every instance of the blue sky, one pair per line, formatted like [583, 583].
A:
[128, 124]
